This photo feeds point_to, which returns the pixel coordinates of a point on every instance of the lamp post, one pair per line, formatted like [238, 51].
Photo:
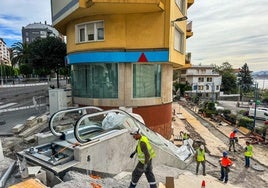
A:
[212, 91]
[1, 73]
[179, 19]
[255, 107]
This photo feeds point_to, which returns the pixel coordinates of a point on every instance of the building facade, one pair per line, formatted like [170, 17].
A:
[38, 30]
[4, 53]
[122, 53]
[204, 81]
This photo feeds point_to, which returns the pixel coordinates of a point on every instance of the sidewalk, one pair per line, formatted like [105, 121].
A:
[214, 144]
[211, 140]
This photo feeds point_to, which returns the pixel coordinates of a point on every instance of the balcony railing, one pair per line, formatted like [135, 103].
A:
[190, 3]
[188, 58]
[189, 32]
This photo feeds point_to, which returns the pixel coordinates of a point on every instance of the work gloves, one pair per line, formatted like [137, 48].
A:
[132, 154]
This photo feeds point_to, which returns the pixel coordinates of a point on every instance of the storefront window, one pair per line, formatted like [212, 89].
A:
[146, 80]
[95, 80]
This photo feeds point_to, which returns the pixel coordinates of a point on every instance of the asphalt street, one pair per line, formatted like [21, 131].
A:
[12, 118]
[17, 104]
[234, 109]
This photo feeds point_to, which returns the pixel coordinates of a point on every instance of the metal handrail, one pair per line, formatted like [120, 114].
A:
[78, 122]
[64, 111]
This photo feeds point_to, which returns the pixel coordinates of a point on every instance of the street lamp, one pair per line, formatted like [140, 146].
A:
[179, 19]
[1, 73]
[212, 91]
[255, 107]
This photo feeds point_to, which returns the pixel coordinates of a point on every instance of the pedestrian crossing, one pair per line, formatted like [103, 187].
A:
[9, 107]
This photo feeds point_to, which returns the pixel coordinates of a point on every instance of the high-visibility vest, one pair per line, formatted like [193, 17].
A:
[248, 152]
[141, 156]
[200, 155]
[185, 136]
[225, 161]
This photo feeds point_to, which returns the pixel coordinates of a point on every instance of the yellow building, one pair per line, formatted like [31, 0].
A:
[122, 53]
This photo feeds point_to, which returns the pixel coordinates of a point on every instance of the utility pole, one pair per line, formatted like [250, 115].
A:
[255, 107]
[1, 72]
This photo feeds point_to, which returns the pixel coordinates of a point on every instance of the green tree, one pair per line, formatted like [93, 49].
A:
[245, 80]
[229, 79]
[48, 54]
[20, 53]
[26, 69]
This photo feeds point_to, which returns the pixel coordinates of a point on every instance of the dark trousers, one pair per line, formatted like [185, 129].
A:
[203, 163]
[247, 161]
[224, 173]
[139, 170]
[232, 144]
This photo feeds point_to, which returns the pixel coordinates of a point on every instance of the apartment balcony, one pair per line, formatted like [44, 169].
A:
[189, 32]
[189, 3]
[119, 6]
[63, 13]
[187, 60]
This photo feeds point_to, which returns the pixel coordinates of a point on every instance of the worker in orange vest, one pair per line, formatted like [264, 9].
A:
[225, 163]
[232, 140]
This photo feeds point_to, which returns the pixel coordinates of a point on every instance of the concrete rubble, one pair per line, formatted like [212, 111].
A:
[183, 176]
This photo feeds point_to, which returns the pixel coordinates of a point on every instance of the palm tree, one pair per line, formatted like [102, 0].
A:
[20, 53]
[13, 58]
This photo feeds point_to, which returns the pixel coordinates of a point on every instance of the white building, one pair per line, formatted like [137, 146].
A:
[204, 81]
[4, 53]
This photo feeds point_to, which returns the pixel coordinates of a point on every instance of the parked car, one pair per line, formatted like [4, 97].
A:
[219, 107]
[261, 113]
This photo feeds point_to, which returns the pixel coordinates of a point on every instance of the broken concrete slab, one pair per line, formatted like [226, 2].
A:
[18, 128]
[31, 121]
[43, 118]
[1, 152]
[33, 170]
[29, 139]
[33, 130]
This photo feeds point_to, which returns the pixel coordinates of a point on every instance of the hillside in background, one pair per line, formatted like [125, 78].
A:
[260, 74]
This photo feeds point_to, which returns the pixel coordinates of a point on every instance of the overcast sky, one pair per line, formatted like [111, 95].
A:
[14, 14]
[233, 31]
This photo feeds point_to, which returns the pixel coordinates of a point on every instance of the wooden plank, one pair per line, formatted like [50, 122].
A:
[30, 183]
[170, 182]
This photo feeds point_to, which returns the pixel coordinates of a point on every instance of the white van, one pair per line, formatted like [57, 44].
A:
[261, 113]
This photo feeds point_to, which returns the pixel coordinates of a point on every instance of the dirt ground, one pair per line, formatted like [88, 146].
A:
[199, 128]
[216, 141]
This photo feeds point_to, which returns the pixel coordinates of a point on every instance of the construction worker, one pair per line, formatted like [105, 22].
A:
[232, 140]
[225, 163]
[248, 153]
[200, 158]
[185, 136]
[145, 154]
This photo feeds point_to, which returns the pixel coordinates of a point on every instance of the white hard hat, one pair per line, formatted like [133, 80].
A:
[202, 147]
[134, 131]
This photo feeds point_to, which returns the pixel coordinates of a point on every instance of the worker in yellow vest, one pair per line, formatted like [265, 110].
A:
[200, 158]
[248, 153]
[145, 154]
[184, 135]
